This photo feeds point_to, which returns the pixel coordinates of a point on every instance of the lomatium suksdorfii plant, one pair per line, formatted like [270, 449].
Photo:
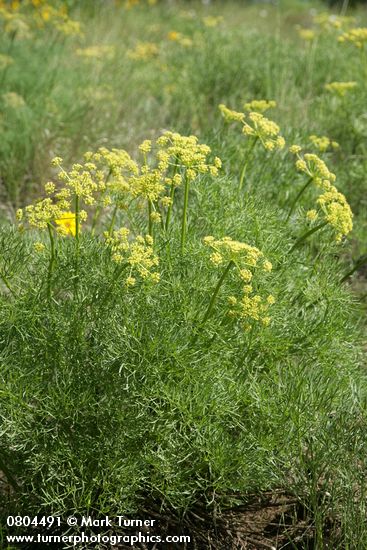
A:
[332, 206]
[256, 126]
[340, 89]
[246, 262]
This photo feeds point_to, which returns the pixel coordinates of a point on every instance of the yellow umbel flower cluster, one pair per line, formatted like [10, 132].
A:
[259, 105]
[340, 88]
[82, 182]
[149, 184]
[334, 206]
[323, 143]
[175, 36]
[187, 153]
[251, 307]
[247, 260]
[13, 100]
[212, 21]
[337, 212]
[143, 51]
[114, 167]
[100, 51]
[43, 212]
[331, 22]
[231, 116]
[267, 131]
[258, 126]
[357, 37]
[306, 34]
[241, 254]
[316, 169]
[137, 255]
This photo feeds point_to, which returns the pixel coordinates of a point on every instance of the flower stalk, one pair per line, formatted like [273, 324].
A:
[213, 299]
[306, 235]
[299, 195]
[52, 260]
[184, 215]
[245, 164]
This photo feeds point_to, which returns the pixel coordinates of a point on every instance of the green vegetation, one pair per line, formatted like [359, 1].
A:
[178, 321]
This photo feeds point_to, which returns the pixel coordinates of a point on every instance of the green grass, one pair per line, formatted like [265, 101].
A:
[109, 401]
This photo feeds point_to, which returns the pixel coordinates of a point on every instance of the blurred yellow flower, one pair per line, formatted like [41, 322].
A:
[67, 223]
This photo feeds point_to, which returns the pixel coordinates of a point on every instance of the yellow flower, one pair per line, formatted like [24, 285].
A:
[357, 37]
[138, 254]
[173, 36]
[332, 22]
[39, 247]
[13, 100]
[295, 149]
[323, 143]
[67, 223]
[340, 88]
[146, 146]
[306, 34]
[155, 217]
[312, 215]
[259, 105]
[212, 21]
[101, 51]
[267, 131]
[246, 260]
[143, 51]
[231, 116]
[337, 212]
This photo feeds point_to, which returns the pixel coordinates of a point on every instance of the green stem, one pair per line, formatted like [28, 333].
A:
[184, 215]
[112, 223]
[150, 222]
[99, 207]
[117, 275]
[299, 195]
[245, 164]
[362, 260]
[6, 283]
[51, 262]
[172, 195]
[213, 299]
[77, 234]
[169, 211]
[306, 235]
[77, 221]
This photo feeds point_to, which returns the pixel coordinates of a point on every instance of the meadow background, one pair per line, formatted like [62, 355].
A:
[118, 399]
